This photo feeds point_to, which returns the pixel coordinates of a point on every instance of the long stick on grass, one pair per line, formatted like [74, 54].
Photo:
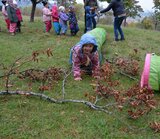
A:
[53, 100]
[64, 101]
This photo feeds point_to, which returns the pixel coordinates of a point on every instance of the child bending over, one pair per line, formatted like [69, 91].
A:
[84, 57]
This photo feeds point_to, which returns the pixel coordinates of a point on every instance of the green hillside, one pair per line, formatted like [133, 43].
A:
[26, 117]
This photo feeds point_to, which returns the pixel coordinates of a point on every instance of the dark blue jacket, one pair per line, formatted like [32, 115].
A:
[89, 17]
[117, 6]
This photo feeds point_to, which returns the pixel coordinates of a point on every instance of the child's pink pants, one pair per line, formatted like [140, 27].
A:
[12, 28]
[48, 25]
[7, 23]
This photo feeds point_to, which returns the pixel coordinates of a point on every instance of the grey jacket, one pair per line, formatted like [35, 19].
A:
[12, 14]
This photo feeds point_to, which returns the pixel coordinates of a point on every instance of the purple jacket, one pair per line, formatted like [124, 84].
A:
[78, 58]
[63, 18]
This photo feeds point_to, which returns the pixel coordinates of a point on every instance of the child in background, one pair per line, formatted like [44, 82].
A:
[19, 15]
[63, 18]
[84, 57]
[11, 11]
[94, 5]
[94, 23]
[55, 19]
[4, 12]
[73, 24]
[47, 16]
[89, 18]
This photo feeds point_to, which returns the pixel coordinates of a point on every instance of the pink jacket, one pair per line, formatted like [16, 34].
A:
[79, 59]
[19, 15]
[46, 14]
[4, 12]
[55, 15]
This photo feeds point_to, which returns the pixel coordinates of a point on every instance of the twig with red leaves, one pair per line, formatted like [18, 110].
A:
[138, 101]
[9, 72]
[155, 126]
[14, 68]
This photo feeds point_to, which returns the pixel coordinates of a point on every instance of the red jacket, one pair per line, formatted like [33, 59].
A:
[55, 15]
[19, 15]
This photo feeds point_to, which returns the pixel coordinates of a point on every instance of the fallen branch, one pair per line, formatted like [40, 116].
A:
[128, 76]
[98, 99]
[64, 101]
[53, 100]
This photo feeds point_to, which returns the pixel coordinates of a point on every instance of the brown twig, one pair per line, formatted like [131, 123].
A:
[64, 81]
[9, 73]
[133, 78]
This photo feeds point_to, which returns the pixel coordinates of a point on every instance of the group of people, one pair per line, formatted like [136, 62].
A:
[12, 16]
[59, 17]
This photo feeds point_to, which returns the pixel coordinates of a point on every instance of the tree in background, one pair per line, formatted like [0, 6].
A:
[34, 4]
[132, 8]
[79, 10]
[156, 17]
[65, 3]
[147, 23]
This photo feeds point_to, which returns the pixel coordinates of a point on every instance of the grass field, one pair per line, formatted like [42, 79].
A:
[23, 117]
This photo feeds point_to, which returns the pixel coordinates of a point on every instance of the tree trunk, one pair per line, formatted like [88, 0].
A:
[155, 26]
[33, 11]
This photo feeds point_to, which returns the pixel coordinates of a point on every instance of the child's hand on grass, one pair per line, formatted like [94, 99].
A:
[78, 79]
[96, 77]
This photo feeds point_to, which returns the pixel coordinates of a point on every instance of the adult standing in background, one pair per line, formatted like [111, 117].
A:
[119, 15]
[94, 5]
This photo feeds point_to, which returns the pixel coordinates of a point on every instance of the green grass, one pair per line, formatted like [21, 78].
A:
[23, 117]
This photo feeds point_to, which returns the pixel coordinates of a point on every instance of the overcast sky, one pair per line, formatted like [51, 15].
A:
[145, 4]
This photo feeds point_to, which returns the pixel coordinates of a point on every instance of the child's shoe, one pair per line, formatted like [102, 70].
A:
[12, 34]
[122, 39]
[116, 40]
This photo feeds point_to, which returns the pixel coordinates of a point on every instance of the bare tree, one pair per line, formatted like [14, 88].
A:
[34, 4]
[156, 17]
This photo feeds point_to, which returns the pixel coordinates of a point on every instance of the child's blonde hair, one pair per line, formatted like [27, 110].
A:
[61, 8]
